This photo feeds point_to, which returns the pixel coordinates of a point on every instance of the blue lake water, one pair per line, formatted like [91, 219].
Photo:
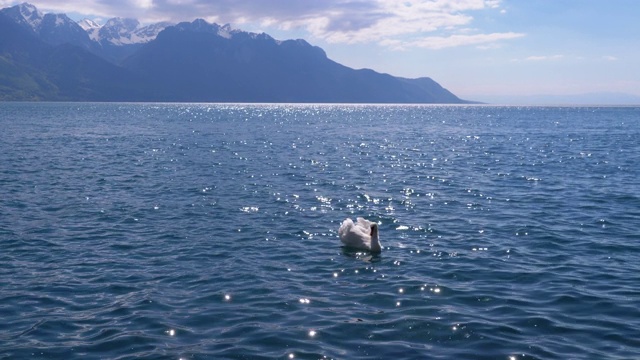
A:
[209, 231]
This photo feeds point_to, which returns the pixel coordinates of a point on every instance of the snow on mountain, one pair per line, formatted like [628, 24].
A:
[88, 24]
[194, 61]
[31, 15]
[124, 31]
[150, 32]
[26, 15]
[117, 31]
[91, 27]
[225, 31]
[53, 29]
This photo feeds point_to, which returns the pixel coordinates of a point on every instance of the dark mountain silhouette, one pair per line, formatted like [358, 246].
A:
[53, 29]
[31, 69]
[205, 62]
[49, 57]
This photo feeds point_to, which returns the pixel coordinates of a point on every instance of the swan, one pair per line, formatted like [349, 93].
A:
[362, 235]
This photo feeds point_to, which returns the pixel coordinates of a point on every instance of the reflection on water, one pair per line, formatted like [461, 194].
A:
[365, 256]
[196, 231]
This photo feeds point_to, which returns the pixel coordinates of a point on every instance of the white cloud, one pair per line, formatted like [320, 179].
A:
[441, 42]
[544, 57]
[610, 58]
[400, 24]
[144, 4]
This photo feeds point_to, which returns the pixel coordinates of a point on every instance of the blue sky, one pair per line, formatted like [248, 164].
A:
[479, 49]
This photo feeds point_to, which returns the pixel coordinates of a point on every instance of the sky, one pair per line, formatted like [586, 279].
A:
[484, 50]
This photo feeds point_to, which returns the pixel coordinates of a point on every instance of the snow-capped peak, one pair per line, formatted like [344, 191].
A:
[30, 15]
[150, 32]
[91, 27]
[118, 31]
[88, 24]
[121, 31]
[29, 11]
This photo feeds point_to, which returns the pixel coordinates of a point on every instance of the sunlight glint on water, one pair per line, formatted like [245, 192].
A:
[198, 231]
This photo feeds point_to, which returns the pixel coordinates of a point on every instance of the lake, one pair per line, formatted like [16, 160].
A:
[209, 231]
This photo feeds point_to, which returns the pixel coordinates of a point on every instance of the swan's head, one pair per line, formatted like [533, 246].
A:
[375, 241]
[374, 230]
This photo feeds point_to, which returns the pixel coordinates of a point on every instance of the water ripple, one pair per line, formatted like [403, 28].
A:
[210, 231]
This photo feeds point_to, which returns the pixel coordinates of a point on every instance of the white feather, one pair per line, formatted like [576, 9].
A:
[362, 235]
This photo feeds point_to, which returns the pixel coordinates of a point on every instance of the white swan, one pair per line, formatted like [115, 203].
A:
[361, 235]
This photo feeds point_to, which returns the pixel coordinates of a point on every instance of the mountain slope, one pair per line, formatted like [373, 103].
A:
[205, 62]
[53, 29]
[30, 69]
[19, 78]
[116, 40]
[50, 57]
[119, 37]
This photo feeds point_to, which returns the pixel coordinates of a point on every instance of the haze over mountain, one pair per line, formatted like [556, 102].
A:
[51, 57]
[600, 98]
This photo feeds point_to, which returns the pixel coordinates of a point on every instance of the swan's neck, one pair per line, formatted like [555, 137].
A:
[375, 241]
[375, 244]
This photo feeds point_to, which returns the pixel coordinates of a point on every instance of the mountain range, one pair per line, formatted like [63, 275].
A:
[50, 57]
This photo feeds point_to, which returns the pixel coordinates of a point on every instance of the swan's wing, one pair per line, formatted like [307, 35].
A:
[347, 224]
[364, 223]
[355, 235]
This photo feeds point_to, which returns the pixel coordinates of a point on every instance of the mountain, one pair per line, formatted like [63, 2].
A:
[54, 29]
[25, 15]
[121, 37]
[91, 27]
[19, 79]
[120, 31]
[50, 57]
[31, 69]
[114, 41]
[206, 62]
